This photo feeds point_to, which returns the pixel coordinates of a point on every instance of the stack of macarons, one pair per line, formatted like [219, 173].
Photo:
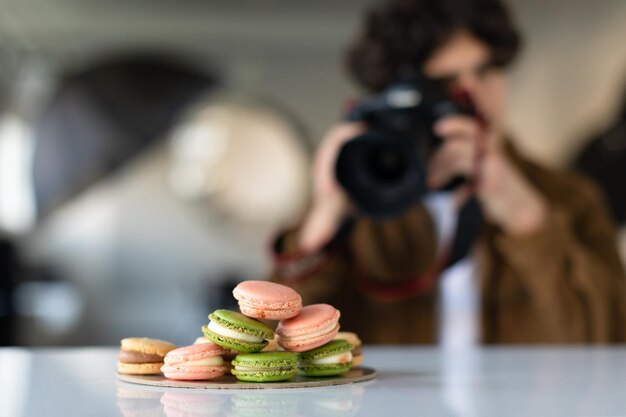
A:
[305, 341]
[304, 334]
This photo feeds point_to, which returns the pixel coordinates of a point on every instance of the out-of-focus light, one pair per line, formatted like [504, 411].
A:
[17, 208]
[56, 306]
[201, 147]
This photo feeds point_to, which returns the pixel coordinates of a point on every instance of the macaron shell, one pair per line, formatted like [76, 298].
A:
[200, 340]
[139, 368]
[193, 353]
[326, 370]
[267, 295]
[241, 323]
[147, 345]
[357, 360]
[265, 376]
[311, 319]
[331, 348]
[192, 373]
[308, 343]
[266, 314]
[266, 360]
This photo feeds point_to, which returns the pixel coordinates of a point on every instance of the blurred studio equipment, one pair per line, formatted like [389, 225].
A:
[8, 274]
[604, 160]
[106, 114]
[99, 119]
[241, 159]
[158, 192]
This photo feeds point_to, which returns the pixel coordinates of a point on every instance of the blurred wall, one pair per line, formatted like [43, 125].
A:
[571, 75]
[565, 82]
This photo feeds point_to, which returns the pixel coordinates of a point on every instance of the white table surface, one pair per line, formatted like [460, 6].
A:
[411, 381]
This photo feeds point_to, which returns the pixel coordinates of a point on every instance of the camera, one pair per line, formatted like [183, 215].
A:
[383, 170]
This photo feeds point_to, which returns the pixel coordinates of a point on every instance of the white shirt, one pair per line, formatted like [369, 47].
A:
[458, 315]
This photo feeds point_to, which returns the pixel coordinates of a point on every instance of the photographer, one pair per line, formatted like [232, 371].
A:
[546, 258]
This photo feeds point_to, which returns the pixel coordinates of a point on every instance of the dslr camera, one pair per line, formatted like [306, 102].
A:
[383, 170]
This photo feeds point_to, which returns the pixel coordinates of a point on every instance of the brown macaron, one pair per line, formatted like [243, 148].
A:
[142, 355]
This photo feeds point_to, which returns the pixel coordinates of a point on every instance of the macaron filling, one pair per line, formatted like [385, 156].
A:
[214, 361]
[233, 334]
[339, 358]
[126, 356]
[261, 369]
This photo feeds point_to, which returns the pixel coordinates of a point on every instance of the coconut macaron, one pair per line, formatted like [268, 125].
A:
[195, 362]
[316, 325]
[267, 300]
[142, 355]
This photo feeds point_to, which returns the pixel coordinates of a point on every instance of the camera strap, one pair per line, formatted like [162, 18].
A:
[296, 266]
[468, 227]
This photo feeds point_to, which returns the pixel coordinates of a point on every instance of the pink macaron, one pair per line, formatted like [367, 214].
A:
[267, 300]
[195, 362]
[316, 325]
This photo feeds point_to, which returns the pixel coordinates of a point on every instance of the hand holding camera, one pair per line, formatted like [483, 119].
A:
[409, 140]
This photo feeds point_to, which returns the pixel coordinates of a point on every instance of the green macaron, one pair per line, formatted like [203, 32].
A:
[265, 366]
[333, 358]
[235, 331]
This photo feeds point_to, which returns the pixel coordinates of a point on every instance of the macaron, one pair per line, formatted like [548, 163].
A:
[316, 325]
[334, 358]
[353, 339]
[195, 362]
[267, 300]
[142, 355]
[265, 366]
[233, 330]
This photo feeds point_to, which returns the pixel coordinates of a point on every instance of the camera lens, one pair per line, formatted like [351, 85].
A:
[381, 172]
[386, 164]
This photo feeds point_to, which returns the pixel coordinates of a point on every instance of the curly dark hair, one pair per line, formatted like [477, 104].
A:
[401, 34]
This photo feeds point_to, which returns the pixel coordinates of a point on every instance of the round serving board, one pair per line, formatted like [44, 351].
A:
[230, 382]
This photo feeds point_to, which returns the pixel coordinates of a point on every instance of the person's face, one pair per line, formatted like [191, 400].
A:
[465, 62]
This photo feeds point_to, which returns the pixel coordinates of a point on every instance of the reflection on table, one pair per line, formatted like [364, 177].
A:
[337, 401]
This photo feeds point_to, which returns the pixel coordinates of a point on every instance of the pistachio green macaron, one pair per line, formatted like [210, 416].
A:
[235, 331]
[333, 358]
[265, 366]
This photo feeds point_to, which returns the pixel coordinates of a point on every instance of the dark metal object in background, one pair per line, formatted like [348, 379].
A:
[604, 160]
[103, 116]
[8, 272]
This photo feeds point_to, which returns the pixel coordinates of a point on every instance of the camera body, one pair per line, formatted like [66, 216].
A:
[383, 170]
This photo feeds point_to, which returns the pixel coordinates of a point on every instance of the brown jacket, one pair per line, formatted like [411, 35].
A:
[563, 284]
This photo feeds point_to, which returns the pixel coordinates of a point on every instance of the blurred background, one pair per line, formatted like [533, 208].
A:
[149, 150]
